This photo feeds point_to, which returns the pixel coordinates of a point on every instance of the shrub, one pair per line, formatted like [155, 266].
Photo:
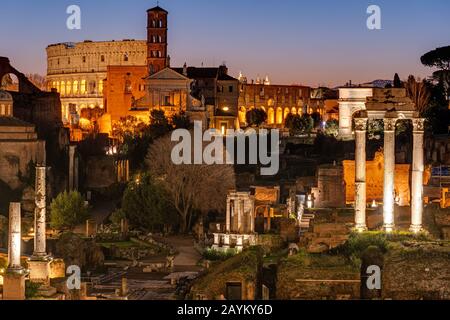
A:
[215, 255]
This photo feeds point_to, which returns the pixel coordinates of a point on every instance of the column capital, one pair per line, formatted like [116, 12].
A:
[418, 125]
[361, 124]
[389, 124]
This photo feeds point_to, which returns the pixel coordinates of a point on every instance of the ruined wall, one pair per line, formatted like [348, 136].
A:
[15, 157]
[417, 271]
[317, 277]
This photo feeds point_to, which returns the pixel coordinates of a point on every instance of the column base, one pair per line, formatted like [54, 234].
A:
[416, 228]
[361, 227]
[14, 285]
[389, 227]
[39, 270]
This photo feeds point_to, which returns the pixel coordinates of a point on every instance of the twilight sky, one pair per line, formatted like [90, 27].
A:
[311, 42]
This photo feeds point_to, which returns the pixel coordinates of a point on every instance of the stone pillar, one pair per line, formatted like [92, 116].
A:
[14, 238]
[14, 278]
[389, 171]
[360, 174]
[39, 263]
[71, 167]
[417, 176]
[228, 216]
[238, 205]
[75, 175]
[40, 250]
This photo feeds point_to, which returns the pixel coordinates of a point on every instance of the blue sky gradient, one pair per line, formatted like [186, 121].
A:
[315, 42]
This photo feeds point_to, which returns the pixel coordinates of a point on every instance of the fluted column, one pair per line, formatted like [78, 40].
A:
[389, 170]
[417, 176]
[40, 250]
[360, 174]
[15, 239]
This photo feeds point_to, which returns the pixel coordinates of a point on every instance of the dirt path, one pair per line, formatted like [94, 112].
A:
[187, 257]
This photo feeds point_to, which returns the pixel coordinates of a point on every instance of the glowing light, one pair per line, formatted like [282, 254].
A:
[225, 109]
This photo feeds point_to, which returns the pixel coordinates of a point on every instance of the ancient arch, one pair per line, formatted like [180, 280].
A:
[271, 116]
[279, 117]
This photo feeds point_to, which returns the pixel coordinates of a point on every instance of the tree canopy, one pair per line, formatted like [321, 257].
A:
[189, 187]
[145, 204]
[256, 117]
[67, 210]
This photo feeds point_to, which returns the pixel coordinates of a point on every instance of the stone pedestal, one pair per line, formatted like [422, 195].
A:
[417, 176]
[40, 271]
[360, 174]
[389, 170]
[14, 286]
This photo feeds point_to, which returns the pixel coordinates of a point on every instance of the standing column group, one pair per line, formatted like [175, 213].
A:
[389, 174]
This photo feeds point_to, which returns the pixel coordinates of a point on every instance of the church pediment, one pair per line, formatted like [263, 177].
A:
[167, 74]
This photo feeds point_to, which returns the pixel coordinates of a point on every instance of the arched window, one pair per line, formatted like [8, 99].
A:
[271, 116]
[100, 87]
[69, 88]
[279, 116]
[160, 23]
[75, 87]
[125, 57]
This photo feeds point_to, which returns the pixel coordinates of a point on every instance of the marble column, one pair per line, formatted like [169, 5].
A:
[389, 171]
[238, 211]
[40, 250]
[417, 176]
[360, 174]
[15, 239]
[228, 216]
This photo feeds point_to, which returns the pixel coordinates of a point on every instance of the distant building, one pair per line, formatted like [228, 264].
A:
[19, 144]
[206, 94]
[276, 100]
[78, 70]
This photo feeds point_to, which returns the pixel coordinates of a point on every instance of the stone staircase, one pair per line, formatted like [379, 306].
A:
[305, 223]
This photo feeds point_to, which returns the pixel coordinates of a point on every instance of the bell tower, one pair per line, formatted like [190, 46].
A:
[157, 58]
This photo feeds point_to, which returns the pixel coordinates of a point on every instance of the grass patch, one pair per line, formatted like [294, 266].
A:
[359, 242]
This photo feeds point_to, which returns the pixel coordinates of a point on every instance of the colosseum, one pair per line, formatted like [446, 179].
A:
[77, 70]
